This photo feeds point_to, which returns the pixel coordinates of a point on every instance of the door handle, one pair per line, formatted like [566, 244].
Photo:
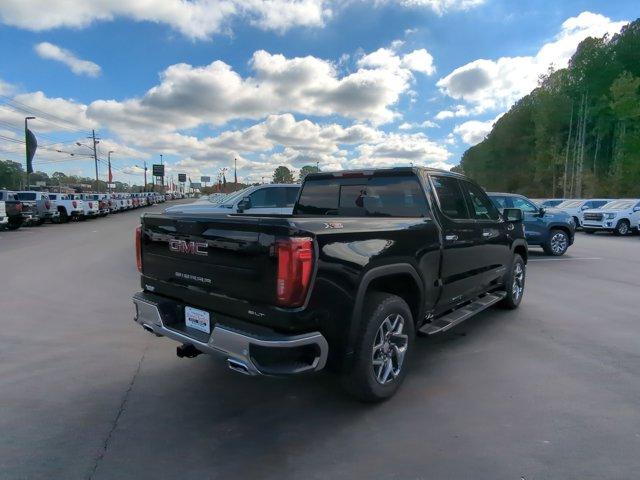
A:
[486, 234]
[451, 238]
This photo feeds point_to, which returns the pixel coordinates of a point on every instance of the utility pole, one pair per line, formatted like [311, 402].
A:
[109, 177]
[162, 163]
[145, 176]
[26, 146]
[95, 155]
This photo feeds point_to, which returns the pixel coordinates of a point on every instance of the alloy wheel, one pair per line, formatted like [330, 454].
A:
[389, 349]
[518, 282]
[559, 243]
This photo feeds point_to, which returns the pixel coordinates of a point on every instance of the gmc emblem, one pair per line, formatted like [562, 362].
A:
[191, 248]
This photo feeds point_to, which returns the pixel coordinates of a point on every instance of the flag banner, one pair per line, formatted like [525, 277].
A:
[32, 145]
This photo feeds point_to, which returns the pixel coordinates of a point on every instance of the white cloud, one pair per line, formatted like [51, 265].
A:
[441, 6]
[497, 84]
[197, 19]
[419, 61]
[402, 149]
[188, 96]
[474, 131]
[77, 65]
[458, 111]
[444, 114]
[68, 114]
[413, 126]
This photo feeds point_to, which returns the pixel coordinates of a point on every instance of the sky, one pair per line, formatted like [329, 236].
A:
[344, 84]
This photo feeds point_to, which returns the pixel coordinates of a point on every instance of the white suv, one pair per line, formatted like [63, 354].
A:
[576, 208]
[618, 216]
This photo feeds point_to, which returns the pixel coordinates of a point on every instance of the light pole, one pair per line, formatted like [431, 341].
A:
[26, 145]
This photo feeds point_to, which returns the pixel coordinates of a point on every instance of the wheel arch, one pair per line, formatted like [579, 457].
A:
[399, 279]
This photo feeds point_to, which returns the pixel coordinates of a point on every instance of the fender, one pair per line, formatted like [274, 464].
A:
[520, 242]
[367, 278]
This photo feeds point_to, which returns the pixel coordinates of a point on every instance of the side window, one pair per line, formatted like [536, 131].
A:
[450, 197]
[524, 205]
[501, 202]
[264, 198]
[480, 205]
[291, 195]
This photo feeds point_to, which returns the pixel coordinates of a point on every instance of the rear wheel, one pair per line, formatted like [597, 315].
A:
[382, 348]
[64, 217]
[622, 228]
[14, 223]
[515, 284]
[557, 244]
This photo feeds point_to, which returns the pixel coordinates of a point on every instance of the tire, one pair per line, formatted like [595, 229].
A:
[64, 217]
[515, 284]
[39, 222]
[14, 223]
[622, 228]
[557, 243]
[378, 368]
[589, 231]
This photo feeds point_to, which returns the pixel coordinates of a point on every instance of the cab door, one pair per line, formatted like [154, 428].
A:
[535, 227]
[460, 271]
[494, 252]
[266, 200]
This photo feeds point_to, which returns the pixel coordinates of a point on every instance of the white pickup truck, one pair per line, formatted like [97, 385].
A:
[4, 219]
[90, 207]
[67, 206]
[619, 217]
[577, 207]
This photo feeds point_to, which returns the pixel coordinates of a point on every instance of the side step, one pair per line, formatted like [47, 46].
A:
[451, 319]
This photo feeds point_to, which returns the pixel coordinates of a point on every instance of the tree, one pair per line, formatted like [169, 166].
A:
[306, 170]
[282, 175]
[10, 174]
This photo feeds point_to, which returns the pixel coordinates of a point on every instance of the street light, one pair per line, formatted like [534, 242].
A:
[26, 146]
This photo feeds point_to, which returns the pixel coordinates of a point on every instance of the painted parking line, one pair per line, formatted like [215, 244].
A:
[562, 259]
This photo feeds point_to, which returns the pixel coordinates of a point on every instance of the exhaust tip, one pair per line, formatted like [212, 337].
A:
[237, 366]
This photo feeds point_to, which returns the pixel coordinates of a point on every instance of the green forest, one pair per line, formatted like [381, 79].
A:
[577, 134]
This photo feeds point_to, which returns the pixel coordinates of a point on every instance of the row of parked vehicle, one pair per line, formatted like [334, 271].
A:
[619, 216]
[34, 207]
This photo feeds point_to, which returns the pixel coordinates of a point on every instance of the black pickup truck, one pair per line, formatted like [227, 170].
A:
[367, 260]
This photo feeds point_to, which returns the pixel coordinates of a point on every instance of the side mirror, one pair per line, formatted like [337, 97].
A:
[541, 212]
[244, 204]
[584, 207]
[512, 214]
[636, 209]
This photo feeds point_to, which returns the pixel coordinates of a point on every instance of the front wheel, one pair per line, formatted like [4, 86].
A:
[382, 348]
[622, 228]
[557, 244]
[515, 284]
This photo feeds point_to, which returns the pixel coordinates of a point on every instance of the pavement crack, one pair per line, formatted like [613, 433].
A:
[114, 424]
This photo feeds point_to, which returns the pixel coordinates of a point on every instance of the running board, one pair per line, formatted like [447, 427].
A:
[451, 319]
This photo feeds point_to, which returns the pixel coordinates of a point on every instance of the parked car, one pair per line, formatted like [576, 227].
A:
[12, 209]
[68, 207]
[91, 207]
[576, 208]
[366, 260]
[40, 206]
[619, 217]
[550, 228]
[259, 199]
[103, 202]
[550, 202]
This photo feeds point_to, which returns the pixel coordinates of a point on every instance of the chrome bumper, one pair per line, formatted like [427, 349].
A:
[234, 345]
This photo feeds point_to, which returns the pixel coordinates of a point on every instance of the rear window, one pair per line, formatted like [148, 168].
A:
[392, 196]
[26, 196]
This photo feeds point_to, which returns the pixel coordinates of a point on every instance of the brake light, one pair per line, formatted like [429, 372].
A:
[90, 204]
[19, 207]
[139, 248]
[295, 264]
[47, 205]
[75, 204]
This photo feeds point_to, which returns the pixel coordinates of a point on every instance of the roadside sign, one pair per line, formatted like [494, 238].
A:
[182, 177]
[196, 185]
[158, 170]
[205, 179]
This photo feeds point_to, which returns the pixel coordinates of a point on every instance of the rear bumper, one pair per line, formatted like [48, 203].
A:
[247, 351]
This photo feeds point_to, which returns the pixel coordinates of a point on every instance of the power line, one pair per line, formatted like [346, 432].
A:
[41, 114]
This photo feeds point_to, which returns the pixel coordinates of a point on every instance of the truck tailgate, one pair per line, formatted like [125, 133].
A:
[220, 255]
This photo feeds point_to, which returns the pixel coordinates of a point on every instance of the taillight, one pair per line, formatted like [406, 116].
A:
[75, 204]
[90, 204]
[19, 207]
[295, 264]
[47, 205]
[139, 248]
[109, 202]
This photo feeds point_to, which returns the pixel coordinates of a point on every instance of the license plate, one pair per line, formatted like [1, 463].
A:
[198, 319]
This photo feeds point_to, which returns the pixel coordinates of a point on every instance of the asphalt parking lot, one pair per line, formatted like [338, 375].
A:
[547, 391]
